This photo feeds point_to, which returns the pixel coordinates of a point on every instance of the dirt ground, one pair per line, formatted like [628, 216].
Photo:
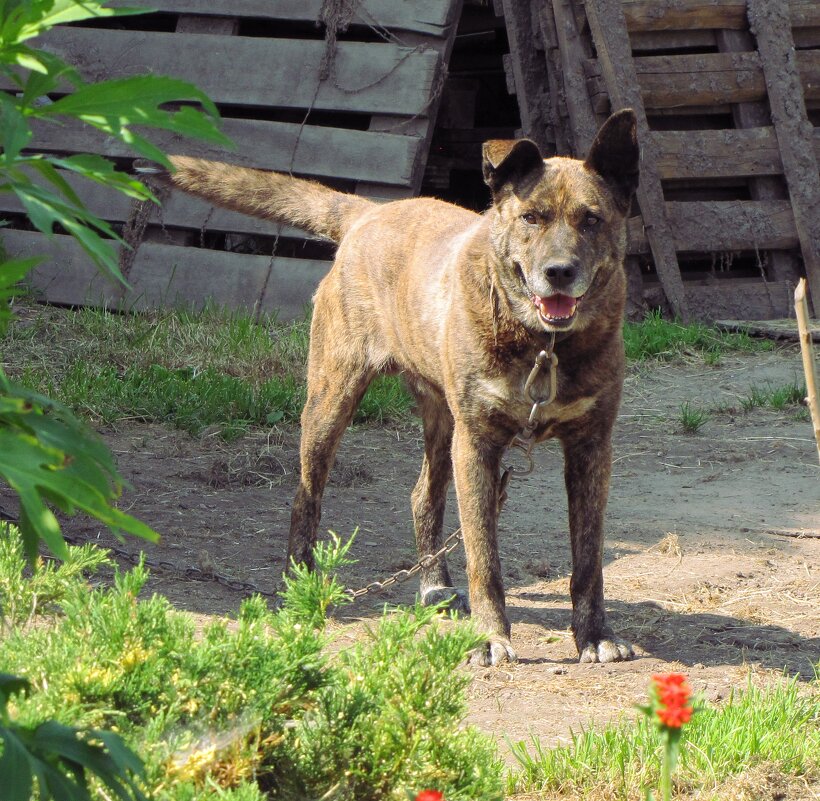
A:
[712, 552]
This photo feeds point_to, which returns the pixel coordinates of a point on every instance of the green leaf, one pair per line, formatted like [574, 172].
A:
[29, 61]
[115, 106]
[36, 18]
[15, 132]
[12, 685]
[102, 171]
[133, 101]
[15, 767]
[45, 209]
[13, 271]
[32, 469]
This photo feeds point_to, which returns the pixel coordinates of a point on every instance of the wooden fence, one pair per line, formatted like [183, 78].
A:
[362, 124]
[726, 93]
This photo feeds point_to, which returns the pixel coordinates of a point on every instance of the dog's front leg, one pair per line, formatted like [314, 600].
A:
[476, 470]
[587, 468]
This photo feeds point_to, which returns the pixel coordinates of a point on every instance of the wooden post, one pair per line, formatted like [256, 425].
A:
[608, 27]
[528, 72]
[783, 265]
[583, 125]
[771, 25]
[801, 308]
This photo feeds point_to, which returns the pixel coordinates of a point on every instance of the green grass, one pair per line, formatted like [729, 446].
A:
[248, 707]
[190, 370]
[779, 398]
[665, 340]
[225, 371]
[692, 419]
[778, 725]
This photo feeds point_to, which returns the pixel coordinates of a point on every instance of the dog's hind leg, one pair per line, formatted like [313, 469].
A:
[334, 391]
[428, 500]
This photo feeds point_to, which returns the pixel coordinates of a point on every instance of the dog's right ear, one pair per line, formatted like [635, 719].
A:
[516, 164]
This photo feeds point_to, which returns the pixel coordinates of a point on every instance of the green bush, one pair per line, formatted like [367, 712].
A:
[249, 707]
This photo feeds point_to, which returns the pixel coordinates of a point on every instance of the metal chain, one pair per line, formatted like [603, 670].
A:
[187, 573]
[524, 441]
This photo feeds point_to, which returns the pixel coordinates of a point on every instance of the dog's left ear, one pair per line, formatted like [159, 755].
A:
[615, 156]
[514, 163]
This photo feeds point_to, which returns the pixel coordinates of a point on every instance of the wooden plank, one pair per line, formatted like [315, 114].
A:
[165, 275]
[67, 274]
[370, 77]
[759, 300]
[287, 147]
[773, 329]
[430, 17]
[713, 225]
[703, 79]
[653, 15]
[771, 26]
[529, 75]
[608, 27]
[583, 124]
[718, 154]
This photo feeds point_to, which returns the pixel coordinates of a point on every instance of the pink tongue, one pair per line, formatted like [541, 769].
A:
[557, 306]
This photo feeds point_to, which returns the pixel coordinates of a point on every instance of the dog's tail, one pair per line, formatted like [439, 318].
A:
[272, 196]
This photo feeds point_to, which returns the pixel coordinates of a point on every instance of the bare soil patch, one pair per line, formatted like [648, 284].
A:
[712, 551]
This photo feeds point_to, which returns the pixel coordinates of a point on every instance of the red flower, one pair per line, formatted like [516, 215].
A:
[673, 693]
[674, 717]
[430, 795]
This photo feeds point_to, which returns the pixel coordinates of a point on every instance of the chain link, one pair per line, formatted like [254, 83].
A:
[188, 573]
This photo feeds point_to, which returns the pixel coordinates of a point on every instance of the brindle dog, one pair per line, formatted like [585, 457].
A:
[460, 304]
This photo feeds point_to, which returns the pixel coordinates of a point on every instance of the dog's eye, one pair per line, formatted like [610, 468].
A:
[591, 220]
[529, 218]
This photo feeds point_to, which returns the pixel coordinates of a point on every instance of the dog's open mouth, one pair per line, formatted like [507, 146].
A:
[556, 310]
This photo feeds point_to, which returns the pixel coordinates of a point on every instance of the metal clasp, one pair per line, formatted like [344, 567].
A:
[546, 360]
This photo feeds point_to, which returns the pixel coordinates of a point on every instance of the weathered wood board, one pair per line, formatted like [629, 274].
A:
[369, 77]
[318, 151]
[654, 15]
[714, 225]
[703, 79]
[165, 275]
[773, 329]
[429, 17]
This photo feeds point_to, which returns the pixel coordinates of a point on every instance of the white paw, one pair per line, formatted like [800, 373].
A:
[493, 653]
[612, 649]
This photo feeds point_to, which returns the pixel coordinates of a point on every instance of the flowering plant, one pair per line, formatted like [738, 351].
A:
[670, 697]
[430, 795]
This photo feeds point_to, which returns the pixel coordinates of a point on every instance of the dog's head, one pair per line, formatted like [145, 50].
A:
[559, 226]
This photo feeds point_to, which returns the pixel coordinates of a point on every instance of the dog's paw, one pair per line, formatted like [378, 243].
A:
[611, 649]
[455, 599]
[492, 653]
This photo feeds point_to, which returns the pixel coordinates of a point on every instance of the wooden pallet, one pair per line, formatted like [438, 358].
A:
[364, 128]
[723, 90]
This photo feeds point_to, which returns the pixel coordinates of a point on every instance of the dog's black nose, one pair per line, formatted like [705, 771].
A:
[562, 273]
